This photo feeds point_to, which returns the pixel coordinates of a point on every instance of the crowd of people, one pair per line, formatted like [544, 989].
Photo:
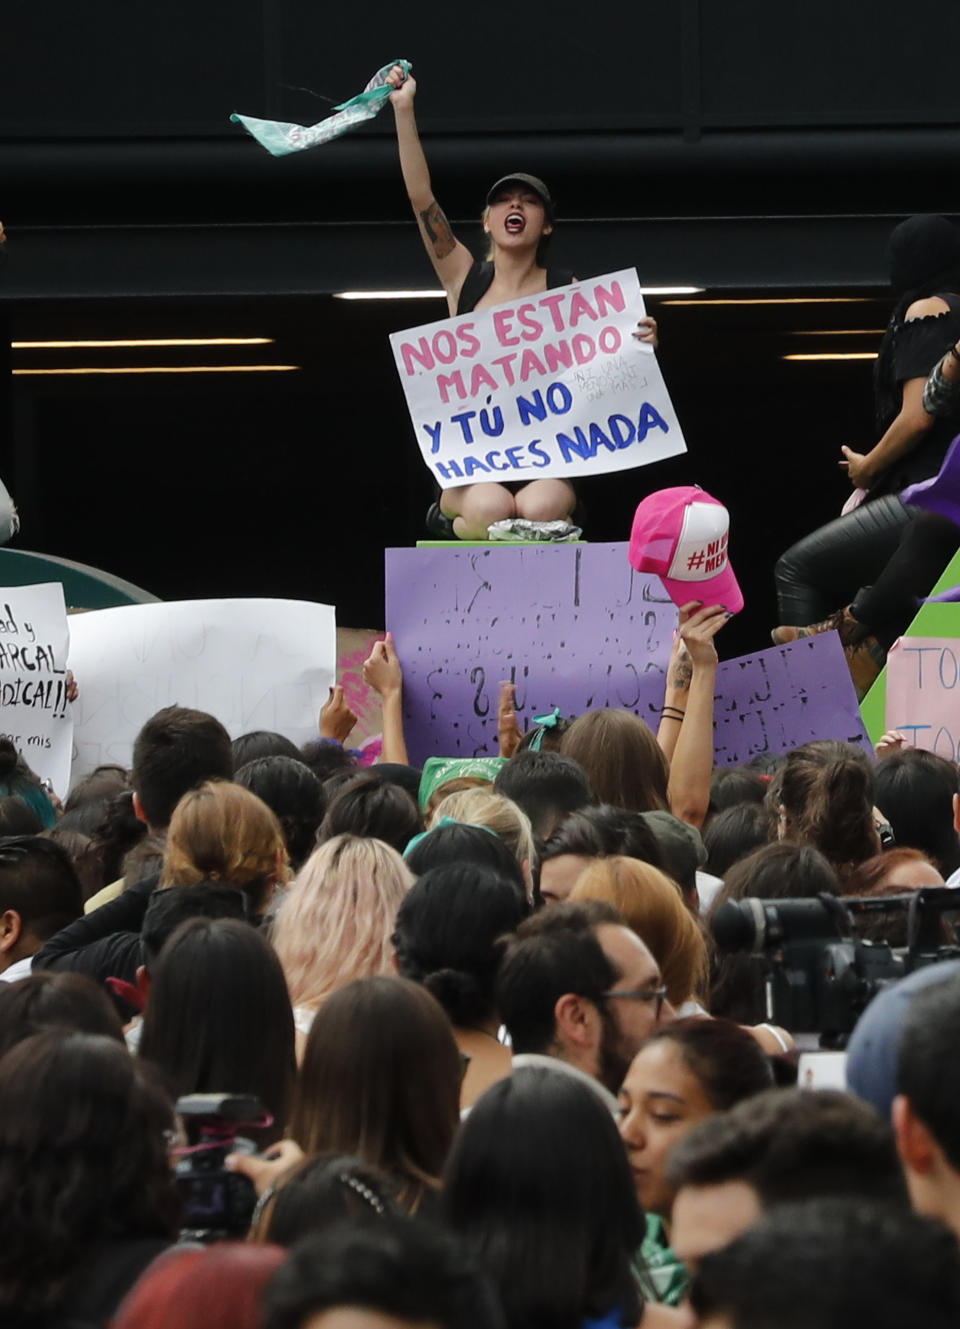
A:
[289, 1044]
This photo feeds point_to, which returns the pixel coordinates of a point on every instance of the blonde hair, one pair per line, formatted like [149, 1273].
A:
[336, 921]
[223, 832]
[458, 785]
[482, 807]
[652, 906]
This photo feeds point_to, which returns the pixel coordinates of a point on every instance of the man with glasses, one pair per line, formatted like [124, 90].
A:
[40, 893]
[579, 991]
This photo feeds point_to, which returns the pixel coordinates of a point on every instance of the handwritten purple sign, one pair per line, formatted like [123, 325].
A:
[574, 626]
[780, 698]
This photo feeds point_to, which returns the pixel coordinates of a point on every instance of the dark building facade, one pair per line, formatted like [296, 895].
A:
[750, 152]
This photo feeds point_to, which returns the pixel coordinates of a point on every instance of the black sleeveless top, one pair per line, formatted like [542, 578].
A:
[480, 278]
[917, 347]
[474, 288]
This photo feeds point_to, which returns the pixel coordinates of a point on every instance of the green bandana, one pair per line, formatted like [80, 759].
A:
[438, 770]
[280, 138]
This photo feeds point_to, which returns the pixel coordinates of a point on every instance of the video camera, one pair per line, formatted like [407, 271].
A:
[218, 1205]
[814, 973]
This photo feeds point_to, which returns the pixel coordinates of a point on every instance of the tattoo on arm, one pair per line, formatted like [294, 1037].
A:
[437, 230]
[681, 675]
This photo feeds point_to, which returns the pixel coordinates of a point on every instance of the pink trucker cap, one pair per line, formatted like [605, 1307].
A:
[681, 536]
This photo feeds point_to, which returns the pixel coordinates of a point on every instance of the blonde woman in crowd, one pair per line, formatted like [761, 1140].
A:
[336, 921]
[481, 807]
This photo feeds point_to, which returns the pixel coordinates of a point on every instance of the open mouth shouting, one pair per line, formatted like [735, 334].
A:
[514, 223]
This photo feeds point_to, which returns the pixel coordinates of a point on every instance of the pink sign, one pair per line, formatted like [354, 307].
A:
[923, 693]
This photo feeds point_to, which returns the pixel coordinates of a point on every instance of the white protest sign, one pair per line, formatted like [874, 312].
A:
[33, 684]
[254, 664]
[548, 386]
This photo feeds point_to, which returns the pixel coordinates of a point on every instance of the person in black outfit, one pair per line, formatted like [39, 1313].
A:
[176, 750]
[89, 1195]
[518, 219]
[828, 568]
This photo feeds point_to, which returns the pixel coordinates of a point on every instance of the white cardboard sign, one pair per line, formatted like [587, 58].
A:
[254, 664]
[549, 386]
[35, 714]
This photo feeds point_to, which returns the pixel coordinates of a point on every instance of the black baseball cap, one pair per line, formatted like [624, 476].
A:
[531, 181]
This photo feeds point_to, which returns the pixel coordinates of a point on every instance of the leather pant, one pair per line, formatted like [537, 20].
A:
[926, 547]
[824, 571]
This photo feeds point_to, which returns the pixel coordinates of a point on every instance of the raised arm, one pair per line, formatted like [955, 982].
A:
[677, 688]
[691, 763]
[451, 260]
[382, 672]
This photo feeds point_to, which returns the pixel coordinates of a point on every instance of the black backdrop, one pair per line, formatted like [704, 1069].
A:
[746, 148]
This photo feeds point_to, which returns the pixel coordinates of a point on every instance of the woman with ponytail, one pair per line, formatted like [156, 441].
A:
[831, 566]
[446, 938]
[825, 798]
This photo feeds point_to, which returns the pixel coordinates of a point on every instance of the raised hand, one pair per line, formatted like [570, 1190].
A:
[336, 717]
[382, 670]
[890, 742]
[509, 732]
[646, 332]
[404, 88]
[698, 627]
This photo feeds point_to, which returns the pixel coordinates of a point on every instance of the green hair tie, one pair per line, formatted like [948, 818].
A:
[543, 723]
[444, 821]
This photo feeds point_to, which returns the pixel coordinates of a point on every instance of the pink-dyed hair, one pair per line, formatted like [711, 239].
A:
[336, 922]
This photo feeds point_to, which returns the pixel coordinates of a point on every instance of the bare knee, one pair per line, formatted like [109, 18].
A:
[479, 506]
[546, 500]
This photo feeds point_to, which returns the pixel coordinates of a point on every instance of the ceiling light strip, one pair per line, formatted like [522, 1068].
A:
[439, 295]
[165, 369]
[389, 295]
[833, 355]
[784, 300]
[141, 341]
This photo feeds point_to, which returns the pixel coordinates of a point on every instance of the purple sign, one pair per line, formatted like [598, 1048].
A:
[779, 698]
[574, 626]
